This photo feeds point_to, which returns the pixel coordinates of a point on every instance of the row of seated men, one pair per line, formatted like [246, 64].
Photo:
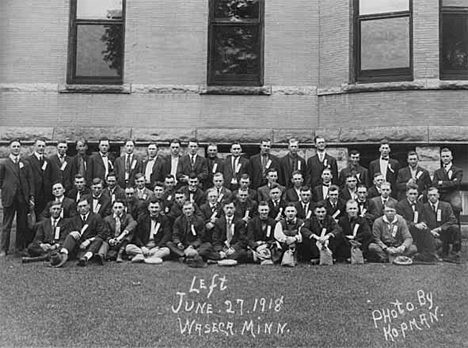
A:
[148, 226]
[259, 174]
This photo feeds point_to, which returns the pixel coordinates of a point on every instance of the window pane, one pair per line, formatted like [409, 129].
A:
[456, 3]
[235, 50]
[99, 50]
[99, 9]
[385, 43]
[237, 10]
[455, 42]
[382, 6]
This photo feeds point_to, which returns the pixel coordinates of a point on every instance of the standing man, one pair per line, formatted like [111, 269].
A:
[272, 180]
[113, 190]
[317, 163]
[377, 204]
[172, 161]
[100, 202]
[80, 163]
[413, 174]
[385, 165]
[292, 194]
[127, 165]
[355, 168]
[244, 184]
[79, 189]
[43, 175]
[100, 165]
[192, 163]
[234, 167]
[261, 163]
[305, 206]
[214, 163]
[349, 191]
[62, 165]
[153, 166]
[292, 163]
[17, 187]
[68, 205]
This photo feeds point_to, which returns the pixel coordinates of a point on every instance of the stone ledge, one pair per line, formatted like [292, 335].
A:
[235, 90]
[104, 89]
[165, 89]
[230, 135]
[147, 135]
[26, 134]
[448, 133]
[28, 87]
[376, 134]
[92, 134]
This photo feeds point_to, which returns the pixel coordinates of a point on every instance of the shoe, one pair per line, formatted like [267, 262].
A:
[211, 262]
[83, 262]
[138, 258]
[266, 263]
[315, 261]
[35, 259]
[100, 259]
[58, 259]
[452, 258]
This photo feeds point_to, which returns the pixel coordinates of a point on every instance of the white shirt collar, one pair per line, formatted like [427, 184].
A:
[388, 222]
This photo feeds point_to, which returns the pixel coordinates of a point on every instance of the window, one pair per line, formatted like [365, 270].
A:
[96, 43]
[454, 40]
[383, 40]
[235, 43]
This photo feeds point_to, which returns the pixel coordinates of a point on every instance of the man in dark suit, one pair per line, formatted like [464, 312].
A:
[223, 192]
[113, 190]
[385, 165]
[100, 202]
[245, 207]
[305, 205]
[261, 163]
[211, 211]
[441, 221]
[193, 191]
[377, 204]
[244, 184]
[192, 163]
[17, 187]
[361, 173]
[68, 205]
[317, 163]
[215, 164]
[153, 166]
[43, 174]
[79, 189]
[234, 167]
[336, 207]
[321, 191]
[272, 180]
[276, 203]
[80, 164]
[374, 190]
[172, 161]
[62, 165]
[260, 231]
[100, 164]
[88, 231]
[50, 234]
[127, 165]
[363, 204]
[412, 211]
[292, 194]
[292, 163]
[413, 174]
[349, 191]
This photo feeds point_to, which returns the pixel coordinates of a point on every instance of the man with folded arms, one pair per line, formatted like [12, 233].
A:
[153, 232]
[391, 237]
[260, 232]
[88, 231]
[50, 234]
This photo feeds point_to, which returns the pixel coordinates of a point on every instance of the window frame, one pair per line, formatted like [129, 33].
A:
[381, 75]
[72, 78]
[449, 74]
[235, 80]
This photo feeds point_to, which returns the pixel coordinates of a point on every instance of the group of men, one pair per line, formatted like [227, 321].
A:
[199, 209]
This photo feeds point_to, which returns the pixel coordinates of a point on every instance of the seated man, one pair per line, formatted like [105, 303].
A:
[113, 190]
[100, 201]
[79, 189]
[276, 204]
[260, 234]
[153, 232]
[391, 236]
[87, 234]
[245, 207]
[374, 190]
[287, 233]
[318, 233]
[50, 234]
[292, 194]
[272, 178]
[356, 233]
[68, 205]
[305, 206]
[218, 184]
[442, 223]
[132, 203]
[193, 191]
[177, 208]
[349, 191]
[187, 233]
[336, 207]
[412, 211]
[320, 192]
[120, 226]
[244, 183]
[363, 204]
[377, 204]
[142, 193]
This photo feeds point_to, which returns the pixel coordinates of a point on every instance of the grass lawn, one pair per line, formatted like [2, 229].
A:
[138, 305]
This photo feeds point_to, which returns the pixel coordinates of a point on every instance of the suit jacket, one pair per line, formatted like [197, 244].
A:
[176, 211]
[447, 218]
[126, 223]
[167, 167]
[96, 226]
[200, 168]
[224, 194]
[264, 192]
[73, 193]
[63, 170]
[253, 194]
[364, 233]
[373, 192]
[143, 231]
[313, 226]
[44, 176]
[15, 181]
[97, 168]
[364, 211]
[215, 165]
[45, 233]
[423, 180]
[257, 174]
[392, 172]
[405, 209]
[304, 214]
[105, 202]
[255, 232]
[290, 195]
[239, 238]
[275, 210]
[287, 170]
[230, 173]
[317, 193]
[449, 185]
[116, 193]
[241, 209]
[345, 195]
[119, 169]
[338, 211]
[207, 212]
[188, 232]
[75, 168]
[315, 168]
[361, 173]
[376, 208]
[147, 193]
[197, 196]
[68, 209]
[157, 171]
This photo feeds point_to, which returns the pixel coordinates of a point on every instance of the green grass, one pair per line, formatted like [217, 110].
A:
[132, 305]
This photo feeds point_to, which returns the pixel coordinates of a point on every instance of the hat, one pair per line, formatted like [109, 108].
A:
[153, 260]
[196, 262]
[403, 261]
[58, 259]
[227, 262]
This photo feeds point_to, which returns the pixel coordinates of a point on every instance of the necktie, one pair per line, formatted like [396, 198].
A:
[127, 163]
[62, 159]
[229, 231]
[81, 166]
[413, 206]
[263, 226]
[54, 225]
[118, 226]
[192, 161]
[384, 158]
[83, 220]
[434, 208]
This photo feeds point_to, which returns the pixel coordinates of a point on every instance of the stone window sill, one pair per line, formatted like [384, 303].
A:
[235, 90]
[95, 89]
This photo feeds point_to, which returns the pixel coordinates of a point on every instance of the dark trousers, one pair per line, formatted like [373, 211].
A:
[452, 235]
[423, 239]
[111, 252]
[73, 247]
[308, 249]
[20, 207]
